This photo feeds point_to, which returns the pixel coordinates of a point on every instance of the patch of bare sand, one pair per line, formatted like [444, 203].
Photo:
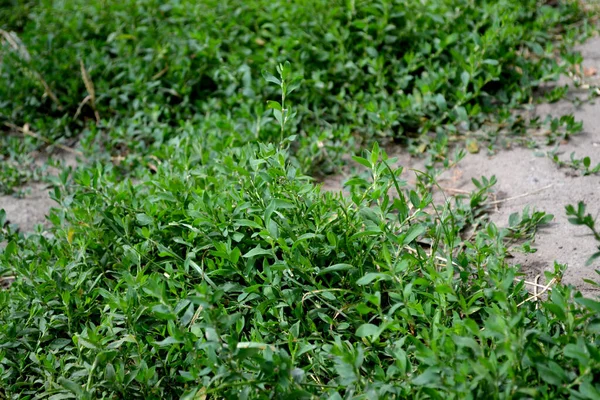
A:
[29, 211]
[32, 209]
[548, 188]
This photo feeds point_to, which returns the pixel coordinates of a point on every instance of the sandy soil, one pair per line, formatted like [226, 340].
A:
[31, 210]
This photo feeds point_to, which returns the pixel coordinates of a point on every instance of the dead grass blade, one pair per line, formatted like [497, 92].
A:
[84, 102]
[91, 97]
[16, 44]
[536, 294]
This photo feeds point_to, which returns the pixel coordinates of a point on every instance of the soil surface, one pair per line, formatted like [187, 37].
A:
[524, 178]
[32, 209]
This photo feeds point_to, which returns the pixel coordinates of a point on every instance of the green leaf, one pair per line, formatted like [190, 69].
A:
[367, 330]
[253, 345]
[592, 258]
[430, 376]
[444, 289]
[372, 276]
[414, 198]
[270, 78]
[303, 238]
[274, 105]
[465, 77]
[413, 232]
[248, 223]
[577, 352]
[587, 162]
[71, 386]
[162, 311]
[440, 101]
[556, 310]
[278, 116]
[464, 341]
[60, 343]
[169, 341]
[166, 252]
[590, 304]
[490, 62]
[86, 343]
[551, 373]
[461, 114]
[194, 394]
[589, 392]
[335, 268]
[375, 153]
[257, 251]
[144, 219]
[362, 161]
[10, 249]
[62, 396]
[109, 373]
[328, 295]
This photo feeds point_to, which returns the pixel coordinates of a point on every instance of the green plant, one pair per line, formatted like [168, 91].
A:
[524, 225]
[283, 112]
[126, 77]
[241, 279]
[557, 93]
[217, 268]
[584, 165]
[579, 217]
[14, 13]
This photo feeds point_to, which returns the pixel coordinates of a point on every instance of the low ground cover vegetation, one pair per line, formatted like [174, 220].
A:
[126, 77]
[191, 254]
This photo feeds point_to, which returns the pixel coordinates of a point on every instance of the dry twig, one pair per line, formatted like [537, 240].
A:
[520, 196]
[537, 295]
[160, 73]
